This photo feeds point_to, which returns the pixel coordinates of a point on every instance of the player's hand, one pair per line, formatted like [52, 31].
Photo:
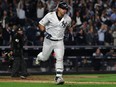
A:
[47, 35]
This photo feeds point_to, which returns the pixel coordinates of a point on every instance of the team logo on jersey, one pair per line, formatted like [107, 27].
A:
[64, 24]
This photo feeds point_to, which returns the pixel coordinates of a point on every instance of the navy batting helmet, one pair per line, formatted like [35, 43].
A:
[63, 5]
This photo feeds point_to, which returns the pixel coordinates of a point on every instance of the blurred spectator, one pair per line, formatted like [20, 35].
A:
[113, 3]
[25, 12]
[5, 19]
[21, 13]
[90, 37]
[5, 4]
[104, 16]
[52, 4]
[108, 38]
[8, 58]
[71, 10]
[1, 37]
[97, 22]
[97, 56]
[30, 9]
[98, 7]
[13, 30]
[70, 37]
[113, 27]
[113, 15]
[7, 35]
[40, 10]
[13, 19]
[80, 37]
[31, 33]
[77, 21]
[111, 53]
[85, 26]
[1, 10]
[101, 34]
[114, 36]
[108, 11]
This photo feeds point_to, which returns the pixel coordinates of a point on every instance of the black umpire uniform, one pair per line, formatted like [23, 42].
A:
[19, 66]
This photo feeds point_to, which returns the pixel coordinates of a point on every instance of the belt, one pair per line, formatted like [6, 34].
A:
[54, 39]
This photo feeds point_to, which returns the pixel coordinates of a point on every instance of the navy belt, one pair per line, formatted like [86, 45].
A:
[54, 39]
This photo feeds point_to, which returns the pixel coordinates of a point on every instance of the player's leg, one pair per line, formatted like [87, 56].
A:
[46, 51]
[59, 53]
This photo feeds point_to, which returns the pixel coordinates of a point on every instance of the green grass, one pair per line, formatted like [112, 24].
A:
[16, 84]
[83, 80]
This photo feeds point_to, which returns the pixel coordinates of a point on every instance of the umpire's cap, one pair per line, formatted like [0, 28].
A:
[63, 5]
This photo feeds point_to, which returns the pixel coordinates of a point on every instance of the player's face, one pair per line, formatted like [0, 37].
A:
[62, 12]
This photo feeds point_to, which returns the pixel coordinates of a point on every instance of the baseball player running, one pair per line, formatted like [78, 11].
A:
[54, 24]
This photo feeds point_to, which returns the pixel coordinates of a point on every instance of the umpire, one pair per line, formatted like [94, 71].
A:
[19, 68]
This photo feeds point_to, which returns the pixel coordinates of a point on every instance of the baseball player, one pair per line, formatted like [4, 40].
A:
[54, 24]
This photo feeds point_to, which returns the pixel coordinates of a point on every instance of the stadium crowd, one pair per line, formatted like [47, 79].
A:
[93, 21]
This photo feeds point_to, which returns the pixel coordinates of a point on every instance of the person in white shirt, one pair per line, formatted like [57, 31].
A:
[97, 56]
[54, 24]
[21, 13]
[40, 10]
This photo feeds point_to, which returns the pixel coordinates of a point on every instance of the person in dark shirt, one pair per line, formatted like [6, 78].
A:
[80, 37]
[97, 57]
[19, 66]
[1, 37]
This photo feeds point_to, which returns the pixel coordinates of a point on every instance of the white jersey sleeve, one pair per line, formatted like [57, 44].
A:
[45, 20]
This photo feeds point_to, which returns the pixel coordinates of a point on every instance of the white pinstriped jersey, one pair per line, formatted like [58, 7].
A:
[54, 26]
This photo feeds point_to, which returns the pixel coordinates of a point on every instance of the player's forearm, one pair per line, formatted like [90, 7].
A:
[41, 27]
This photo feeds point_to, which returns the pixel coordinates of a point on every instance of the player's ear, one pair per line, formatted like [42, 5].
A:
[58, 9]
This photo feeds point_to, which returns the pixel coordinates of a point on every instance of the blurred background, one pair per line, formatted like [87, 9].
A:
[90, 47]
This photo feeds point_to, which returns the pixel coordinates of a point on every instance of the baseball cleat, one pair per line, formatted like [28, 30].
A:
[22, 77]
[59, 80]
[37, 61]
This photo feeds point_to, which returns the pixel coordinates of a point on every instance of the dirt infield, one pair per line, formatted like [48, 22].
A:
[49, 79]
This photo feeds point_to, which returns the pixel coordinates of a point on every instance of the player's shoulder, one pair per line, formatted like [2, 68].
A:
[50, 13]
